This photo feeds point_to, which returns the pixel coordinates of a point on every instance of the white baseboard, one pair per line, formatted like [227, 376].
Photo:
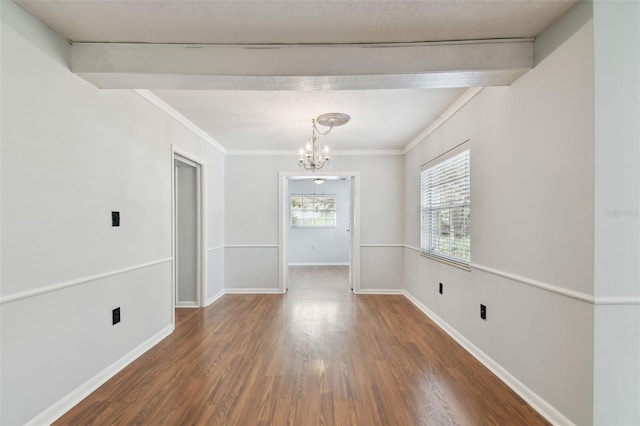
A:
[253, 291]
[186, 305]
[215, 297]
[320, 264]
[538, 403]
[69, 401]
[380, 291]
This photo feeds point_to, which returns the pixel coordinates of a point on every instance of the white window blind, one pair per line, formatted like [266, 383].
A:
[313, 211]
[446, 208]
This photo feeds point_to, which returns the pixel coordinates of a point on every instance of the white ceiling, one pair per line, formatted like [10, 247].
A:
[294, 21]
[264, 120]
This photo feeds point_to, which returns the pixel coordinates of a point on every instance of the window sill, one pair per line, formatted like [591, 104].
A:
[463, 266]
[313, 227]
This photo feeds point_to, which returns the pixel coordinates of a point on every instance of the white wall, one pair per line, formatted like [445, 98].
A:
[215, 224]
[186, 235]
[532, 215]
[251, 182]
[321, 246]
[70, 155]
[617, 213]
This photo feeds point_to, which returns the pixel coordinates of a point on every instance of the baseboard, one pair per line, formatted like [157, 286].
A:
[319, 264]
[215, 297]
[186, 305]
[253, 291]
[538, 403]
[69, 401]
[380, 291]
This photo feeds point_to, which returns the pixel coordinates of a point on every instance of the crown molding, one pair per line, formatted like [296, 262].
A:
[335, 152]
[469, 94]
[258, 152]
[173, 113]
[368, 152]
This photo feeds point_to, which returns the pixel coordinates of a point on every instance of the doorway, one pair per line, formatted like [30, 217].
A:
[188, 232]
[338, 245]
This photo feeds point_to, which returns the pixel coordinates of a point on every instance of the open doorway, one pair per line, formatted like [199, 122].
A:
[188, 233]
[319, 224]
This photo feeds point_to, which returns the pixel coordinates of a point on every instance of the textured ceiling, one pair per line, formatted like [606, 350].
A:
[264, 120]
[364, 21]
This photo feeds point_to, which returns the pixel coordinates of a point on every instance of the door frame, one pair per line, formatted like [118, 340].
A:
[283, 206]
[201, 227]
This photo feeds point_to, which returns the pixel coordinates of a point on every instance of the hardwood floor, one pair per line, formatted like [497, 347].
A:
[318, 355]
[182, 314]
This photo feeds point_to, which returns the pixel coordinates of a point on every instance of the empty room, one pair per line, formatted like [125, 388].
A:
[320, 212]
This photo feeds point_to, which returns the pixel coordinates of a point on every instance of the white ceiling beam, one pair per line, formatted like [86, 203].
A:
[303, 67]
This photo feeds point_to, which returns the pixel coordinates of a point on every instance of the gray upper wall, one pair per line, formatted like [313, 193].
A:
[561, 30]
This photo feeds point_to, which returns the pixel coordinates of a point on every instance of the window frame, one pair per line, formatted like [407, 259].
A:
[427, 227]
[324, 196]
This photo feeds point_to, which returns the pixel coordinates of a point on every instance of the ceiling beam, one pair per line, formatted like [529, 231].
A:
[303, 67]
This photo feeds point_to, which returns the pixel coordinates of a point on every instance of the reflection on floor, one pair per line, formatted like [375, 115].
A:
[318, 279]
[318, 354]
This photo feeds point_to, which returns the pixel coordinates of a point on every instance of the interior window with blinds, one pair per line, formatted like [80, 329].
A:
[313, 211]
[446, 207]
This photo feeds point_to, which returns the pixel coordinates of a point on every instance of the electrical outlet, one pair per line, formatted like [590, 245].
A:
[115, 218]
[441, 289]
[483, 312]
[115, 316]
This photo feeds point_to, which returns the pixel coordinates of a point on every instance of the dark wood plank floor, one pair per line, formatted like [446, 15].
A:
[318, 355]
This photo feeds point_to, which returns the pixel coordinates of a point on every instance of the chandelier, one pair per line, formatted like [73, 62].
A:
[315, 155]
